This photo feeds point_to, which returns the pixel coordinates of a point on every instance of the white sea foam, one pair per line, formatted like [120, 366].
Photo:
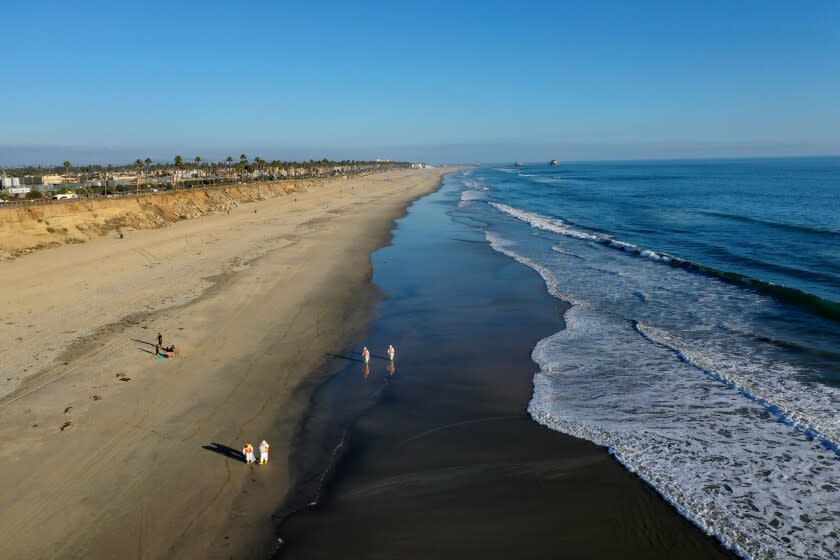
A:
[544, 223]
[556, 225]
[716, 426]
[469, 195]
[811, 408]
[474, 184]
[474, 190]
[765, 490]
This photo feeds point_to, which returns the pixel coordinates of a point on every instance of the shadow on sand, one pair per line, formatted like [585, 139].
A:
[138, 341]
[228, 452]
[343, 357]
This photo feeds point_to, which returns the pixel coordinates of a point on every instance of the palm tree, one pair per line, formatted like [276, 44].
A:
[243, 163]
[138, 165]
[109, 171]
[229, 161]
[197, 165]
[148, 164]
[67, 167]
[179, 163]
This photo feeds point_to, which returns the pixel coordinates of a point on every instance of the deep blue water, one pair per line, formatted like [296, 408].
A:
[703, 341]
[774, 220]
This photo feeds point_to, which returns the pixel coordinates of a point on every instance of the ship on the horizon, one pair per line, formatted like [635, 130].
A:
[518, 164]
[554, 163]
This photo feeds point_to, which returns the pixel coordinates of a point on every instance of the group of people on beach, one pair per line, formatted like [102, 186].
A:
[366, 354]
[168, 351]
[366, 359]
[248, 451]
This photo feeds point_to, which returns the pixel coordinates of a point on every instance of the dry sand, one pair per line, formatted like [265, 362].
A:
[104, 450]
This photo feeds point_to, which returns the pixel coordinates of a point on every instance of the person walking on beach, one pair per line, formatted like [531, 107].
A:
[160, 339]
[391, 352]
[264, 453]
[248, 451]
[366, 355]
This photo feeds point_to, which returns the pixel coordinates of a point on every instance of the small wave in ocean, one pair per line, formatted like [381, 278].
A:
[814, 303]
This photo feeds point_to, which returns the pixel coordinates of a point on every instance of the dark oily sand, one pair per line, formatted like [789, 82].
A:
[439, 459]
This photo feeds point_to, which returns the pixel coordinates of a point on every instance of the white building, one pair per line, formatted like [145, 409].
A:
[11, 185]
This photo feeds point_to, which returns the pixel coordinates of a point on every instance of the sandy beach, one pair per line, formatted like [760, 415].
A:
[109, 453]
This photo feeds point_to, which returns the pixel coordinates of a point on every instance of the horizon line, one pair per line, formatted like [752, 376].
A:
[454, 163]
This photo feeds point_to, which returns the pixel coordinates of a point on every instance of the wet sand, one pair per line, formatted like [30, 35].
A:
[108, 453]
[439, 458]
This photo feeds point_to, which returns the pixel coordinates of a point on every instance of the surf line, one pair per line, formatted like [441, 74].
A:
[775, 410]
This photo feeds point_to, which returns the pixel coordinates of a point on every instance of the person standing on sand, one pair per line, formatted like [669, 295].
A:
[248, 451]
[160, 339]
[391, 352]
[366, 355]
[264, 453]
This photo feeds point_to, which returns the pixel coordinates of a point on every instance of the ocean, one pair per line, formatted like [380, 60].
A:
[702, 341]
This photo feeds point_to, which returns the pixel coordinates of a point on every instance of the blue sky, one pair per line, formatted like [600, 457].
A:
[455, 81]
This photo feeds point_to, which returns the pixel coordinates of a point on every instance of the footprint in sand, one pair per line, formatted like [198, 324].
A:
[66, 410]
[65, 426]
[96, 397]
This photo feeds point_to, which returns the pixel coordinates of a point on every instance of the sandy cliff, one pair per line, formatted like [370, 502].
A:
[27, 228]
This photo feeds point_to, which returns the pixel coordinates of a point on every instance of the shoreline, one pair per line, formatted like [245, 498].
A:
[441, 457]
[130, 473]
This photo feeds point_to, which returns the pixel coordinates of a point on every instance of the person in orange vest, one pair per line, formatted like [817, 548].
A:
[366, 355]
[248, 451]
[264, 453]
[391, 352]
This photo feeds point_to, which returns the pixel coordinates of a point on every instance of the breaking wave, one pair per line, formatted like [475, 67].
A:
[815, 304]
[736, 442]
